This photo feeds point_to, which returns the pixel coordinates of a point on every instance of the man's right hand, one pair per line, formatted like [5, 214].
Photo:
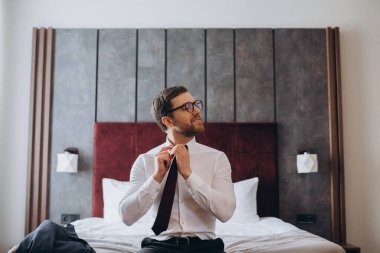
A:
[162, 162]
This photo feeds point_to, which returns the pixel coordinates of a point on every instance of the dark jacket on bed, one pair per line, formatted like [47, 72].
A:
[50, 237]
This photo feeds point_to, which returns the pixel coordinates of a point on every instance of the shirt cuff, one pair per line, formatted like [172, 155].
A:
[151, 186]
[194, 183]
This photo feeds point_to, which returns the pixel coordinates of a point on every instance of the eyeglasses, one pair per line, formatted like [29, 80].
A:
[189, 106]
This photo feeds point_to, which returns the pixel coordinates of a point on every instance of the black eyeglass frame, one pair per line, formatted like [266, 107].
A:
[193, 104]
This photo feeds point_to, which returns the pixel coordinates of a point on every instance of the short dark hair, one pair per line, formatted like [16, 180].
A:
[162, 103]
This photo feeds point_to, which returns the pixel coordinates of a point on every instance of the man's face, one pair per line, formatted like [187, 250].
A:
[184, 122]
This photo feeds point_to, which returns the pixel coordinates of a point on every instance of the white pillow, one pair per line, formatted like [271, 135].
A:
[246, 205]
[113, 192]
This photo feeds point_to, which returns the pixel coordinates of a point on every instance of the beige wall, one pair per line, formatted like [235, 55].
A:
[359, 22]
[2, 58]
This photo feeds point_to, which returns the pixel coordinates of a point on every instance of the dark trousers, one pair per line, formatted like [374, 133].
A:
[182, 245]
[51, 237]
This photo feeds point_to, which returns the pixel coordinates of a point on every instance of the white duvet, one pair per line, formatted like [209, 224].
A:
[267, 235]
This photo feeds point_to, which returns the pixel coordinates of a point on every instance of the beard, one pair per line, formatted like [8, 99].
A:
[190, 130]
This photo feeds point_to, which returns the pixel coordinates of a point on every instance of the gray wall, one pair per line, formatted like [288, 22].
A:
[243, 75]
[73, 115]
[302, 117]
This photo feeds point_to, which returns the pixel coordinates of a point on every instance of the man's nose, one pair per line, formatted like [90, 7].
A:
[196, 110]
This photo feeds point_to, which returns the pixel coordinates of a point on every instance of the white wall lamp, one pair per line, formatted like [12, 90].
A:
[307, 163]
[68, 161]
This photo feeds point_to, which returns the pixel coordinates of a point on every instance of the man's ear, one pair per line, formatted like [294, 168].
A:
[167, 121]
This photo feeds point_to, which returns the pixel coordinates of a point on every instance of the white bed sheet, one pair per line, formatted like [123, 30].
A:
[265, 236]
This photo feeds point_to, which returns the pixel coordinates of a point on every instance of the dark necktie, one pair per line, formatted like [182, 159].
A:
[166, 204]
[165, 208]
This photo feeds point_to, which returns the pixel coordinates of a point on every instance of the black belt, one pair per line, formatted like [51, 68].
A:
[183, 241]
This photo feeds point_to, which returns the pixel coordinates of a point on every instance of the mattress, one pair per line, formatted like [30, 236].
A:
[267, 235]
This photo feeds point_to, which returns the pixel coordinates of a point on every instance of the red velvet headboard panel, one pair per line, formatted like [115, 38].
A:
[250, 147]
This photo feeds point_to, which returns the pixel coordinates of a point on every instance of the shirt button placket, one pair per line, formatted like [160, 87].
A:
[180, 213]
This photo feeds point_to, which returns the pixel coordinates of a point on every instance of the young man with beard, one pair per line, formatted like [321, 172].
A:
[203, 190]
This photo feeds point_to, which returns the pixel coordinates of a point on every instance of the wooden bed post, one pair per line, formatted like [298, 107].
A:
[39, 128]
[338, 216]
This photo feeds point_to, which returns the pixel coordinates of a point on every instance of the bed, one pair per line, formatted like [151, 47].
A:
[251, 148]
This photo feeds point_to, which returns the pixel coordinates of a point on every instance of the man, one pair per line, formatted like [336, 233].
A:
[203, 190]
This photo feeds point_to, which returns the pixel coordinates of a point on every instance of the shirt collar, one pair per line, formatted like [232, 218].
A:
[189, 144]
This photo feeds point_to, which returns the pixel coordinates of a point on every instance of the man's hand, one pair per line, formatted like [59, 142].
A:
[183, 160]
[162, 163]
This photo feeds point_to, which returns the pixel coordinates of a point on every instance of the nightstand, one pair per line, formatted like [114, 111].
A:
[350, 248]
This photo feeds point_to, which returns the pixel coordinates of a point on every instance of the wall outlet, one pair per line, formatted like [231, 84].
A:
[306, 218]
[66, 218]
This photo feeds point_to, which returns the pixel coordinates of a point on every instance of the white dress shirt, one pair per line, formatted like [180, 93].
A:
[207, 194]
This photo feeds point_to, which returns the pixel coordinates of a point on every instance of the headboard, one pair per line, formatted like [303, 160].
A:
[250, 147]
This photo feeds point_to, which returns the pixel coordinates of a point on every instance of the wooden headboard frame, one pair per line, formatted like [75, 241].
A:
[250, 147]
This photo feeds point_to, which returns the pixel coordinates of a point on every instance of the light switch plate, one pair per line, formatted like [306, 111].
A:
[66, 218]
[306, 218]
